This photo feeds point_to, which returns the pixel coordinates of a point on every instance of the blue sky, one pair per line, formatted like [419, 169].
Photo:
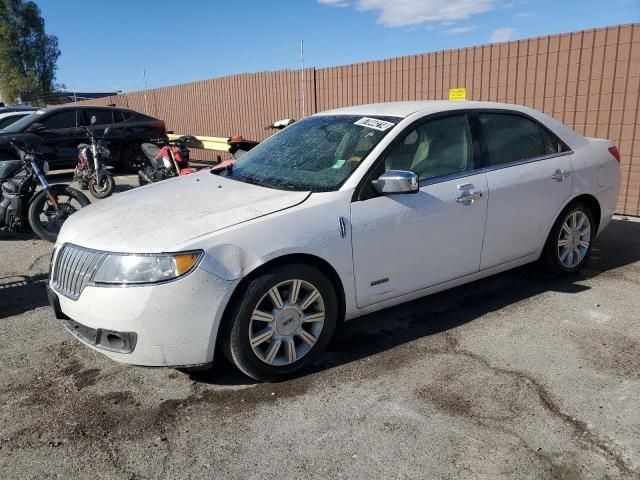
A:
[106, 45]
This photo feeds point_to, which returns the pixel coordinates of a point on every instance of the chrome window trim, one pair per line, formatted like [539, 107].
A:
[471, 114]
[524, 161]
[469, 173]
[446, 178]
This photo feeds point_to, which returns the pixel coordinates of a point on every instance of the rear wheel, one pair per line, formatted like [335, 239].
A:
[284, 320]
[45, 219]
[570, 239]
[131, 158]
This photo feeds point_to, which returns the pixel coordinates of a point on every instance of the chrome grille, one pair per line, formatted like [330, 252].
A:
[73, 269]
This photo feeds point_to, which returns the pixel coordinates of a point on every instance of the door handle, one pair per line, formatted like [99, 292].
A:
[469, 197]
[560, 175]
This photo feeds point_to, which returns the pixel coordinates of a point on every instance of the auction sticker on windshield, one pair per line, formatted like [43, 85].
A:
[374, 123]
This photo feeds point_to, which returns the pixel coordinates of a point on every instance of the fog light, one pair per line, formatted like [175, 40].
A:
[121, 342]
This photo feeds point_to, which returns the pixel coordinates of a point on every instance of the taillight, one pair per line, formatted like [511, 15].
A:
[615, 152]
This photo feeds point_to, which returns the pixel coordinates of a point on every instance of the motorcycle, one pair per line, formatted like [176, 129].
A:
[238, 145]
[91, 168]
[20, 205]
[165, 159]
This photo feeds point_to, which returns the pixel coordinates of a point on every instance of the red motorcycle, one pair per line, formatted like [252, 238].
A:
[238, 145]
[165, 159]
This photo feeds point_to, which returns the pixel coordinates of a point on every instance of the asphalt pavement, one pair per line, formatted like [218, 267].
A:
[521, 375]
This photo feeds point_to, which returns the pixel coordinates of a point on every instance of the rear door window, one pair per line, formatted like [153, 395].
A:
[511, 138]
[103, 117]
[119, 116]
[60, 120]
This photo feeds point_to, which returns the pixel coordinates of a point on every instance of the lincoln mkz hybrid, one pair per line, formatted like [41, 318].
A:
[340, 214]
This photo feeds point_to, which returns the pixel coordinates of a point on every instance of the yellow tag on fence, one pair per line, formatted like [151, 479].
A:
[457, 94]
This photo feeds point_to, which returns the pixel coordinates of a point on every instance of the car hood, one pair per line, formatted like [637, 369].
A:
[168, 215]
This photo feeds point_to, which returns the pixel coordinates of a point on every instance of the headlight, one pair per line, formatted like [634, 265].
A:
[104, 151]
[167, 162]
[137, 269]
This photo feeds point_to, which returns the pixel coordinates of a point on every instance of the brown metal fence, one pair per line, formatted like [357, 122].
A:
[589, 80]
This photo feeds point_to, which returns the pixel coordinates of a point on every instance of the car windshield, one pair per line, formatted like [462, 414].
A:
[315, 154]
[21, 124]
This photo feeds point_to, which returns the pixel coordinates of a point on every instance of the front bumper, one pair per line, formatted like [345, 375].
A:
[171, 324]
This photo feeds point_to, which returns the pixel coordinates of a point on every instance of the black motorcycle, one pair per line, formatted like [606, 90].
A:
[91, 169]
[20, 205]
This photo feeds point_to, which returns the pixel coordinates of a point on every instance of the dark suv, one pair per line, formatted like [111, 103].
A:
[57, 131]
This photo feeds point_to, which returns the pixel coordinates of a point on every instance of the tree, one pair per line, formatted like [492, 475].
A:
[28, 56]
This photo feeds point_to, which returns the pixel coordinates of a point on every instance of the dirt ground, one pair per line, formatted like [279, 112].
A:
[522, 375]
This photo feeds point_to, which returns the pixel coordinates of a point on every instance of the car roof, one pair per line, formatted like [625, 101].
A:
[17, 108]
[81, 107]
[404, 109]
[13, 114]
[427, 107]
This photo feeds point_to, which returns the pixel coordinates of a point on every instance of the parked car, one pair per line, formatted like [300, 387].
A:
[8, 118]
[58, 132]
[338, 215]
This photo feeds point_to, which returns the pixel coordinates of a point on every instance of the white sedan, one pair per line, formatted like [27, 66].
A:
[340, 214]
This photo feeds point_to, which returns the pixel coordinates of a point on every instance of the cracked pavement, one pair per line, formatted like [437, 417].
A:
[521, 375]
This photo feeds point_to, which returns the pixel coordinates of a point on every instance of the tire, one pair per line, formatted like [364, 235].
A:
[130, 158]
[40, 204]
[105, 190]
[285, 344]
[575, 228]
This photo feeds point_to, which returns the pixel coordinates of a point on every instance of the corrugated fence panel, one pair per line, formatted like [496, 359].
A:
[589, 80]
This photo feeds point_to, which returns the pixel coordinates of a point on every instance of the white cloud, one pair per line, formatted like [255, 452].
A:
[458, 30]
[334, 3]
[401, 13]
[502, 35]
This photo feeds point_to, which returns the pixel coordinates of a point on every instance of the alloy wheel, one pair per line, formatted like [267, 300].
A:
[574, 239]
[287, 322]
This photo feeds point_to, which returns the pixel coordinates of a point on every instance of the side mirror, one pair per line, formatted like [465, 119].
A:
[36, 128]
[93, 119]
[397, 181]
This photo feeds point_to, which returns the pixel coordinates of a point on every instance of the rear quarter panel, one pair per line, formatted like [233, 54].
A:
[597, 172]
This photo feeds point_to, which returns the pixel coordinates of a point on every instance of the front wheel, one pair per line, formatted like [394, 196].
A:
[45, 219]
[569, 242]
[283, 321]
[106, 187]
